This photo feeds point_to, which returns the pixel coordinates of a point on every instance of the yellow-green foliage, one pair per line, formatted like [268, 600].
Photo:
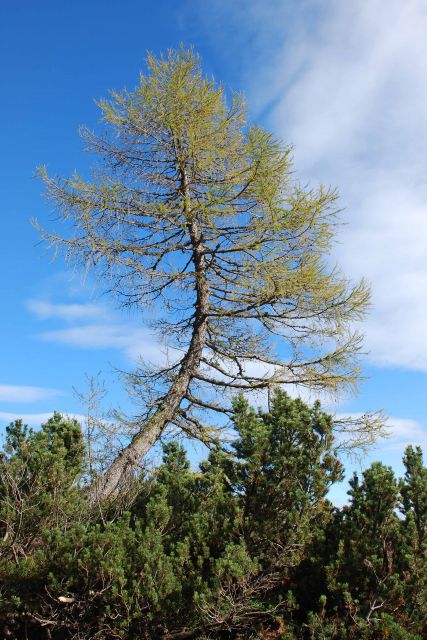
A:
[177, 153]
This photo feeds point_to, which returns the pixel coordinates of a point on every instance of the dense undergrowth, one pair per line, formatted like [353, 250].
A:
[246, 546]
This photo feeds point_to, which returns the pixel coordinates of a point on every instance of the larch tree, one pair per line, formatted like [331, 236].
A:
[198, 213]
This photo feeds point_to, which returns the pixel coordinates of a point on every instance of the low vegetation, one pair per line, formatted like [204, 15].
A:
[245, 546]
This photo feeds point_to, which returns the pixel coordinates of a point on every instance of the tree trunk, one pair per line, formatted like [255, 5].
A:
[129, 458]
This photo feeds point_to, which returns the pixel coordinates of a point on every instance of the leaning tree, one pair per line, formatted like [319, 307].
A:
[196, 212]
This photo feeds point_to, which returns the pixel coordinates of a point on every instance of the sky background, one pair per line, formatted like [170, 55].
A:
[344, 82]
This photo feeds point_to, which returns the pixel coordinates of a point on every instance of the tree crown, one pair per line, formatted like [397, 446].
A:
[198, 212]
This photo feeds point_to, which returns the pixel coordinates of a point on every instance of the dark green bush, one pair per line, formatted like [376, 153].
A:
[247, 546]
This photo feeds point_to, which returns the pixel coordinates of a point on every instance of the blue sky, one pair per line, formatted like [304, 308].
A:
[342, 81]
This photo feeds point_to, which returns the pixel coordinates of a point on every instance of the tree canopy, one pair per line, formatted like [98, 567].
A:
[197, 212]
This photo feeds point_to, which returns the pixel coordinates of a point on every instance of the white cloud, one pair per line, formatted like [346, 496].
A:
[36, 419]
[20, 393]
[103, 332]
[401, 432]
[357, 114]
[345, 82]
[389, 245]
[70, 312]
[361, 66]
[134, 342]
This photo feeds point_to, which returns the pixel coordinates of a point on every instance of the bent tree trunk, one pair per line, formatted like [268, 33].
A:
[129, 458]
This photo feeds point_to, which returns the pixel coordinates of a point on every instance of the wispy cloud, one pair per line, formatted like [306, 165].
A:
[70, 312]
[103, 331]
[345, 82]
[357, 113]
[20, 393]
[403, 432]
[134, 342]
[36, 419]
[400, 432]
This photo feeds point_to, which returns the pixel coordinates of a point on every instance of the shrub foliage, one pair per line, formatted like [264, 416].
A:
[246, 546]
